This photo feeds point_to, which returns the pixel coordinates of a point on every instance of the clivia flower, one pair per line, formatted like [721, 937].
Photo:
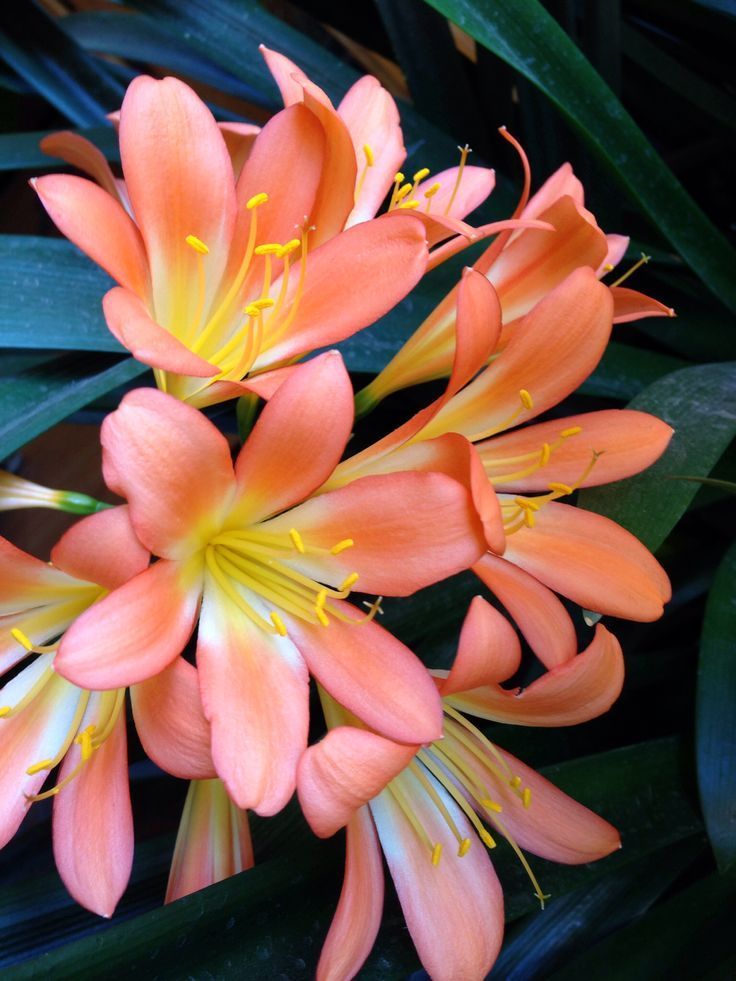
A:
[271, 568]
[17, 493]
[431, 809]
[47, 722]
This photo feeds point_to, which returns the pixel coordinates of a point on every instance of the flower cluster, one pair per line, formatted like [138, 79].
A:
[219, 585]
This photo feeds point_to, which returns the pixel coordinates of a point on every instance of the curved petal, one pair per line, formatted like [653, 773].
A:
[386, 518]
[170, 722]
[555, 347]
[129, 321]
[630, 305]
[297, 441]
[373, 675]
[625, 441]
[264, 386]
[542, 619]
[563, 183]
[26, 581]
[289, 77]
[82, 154]
[454, 910]
[457, 198]
[582, 688]
[135, 631]
[357, 918]
[372, 119]
[255, 692]
[213, 841]
[101, 548]
[153, 446]
[617, 246]
[340, 295]
[345, 770]
[488, 650]
[180, 181]
[98, 225]
[592, 561]
[336, 195]
[239, 139]
[41, 625]
[95, 866]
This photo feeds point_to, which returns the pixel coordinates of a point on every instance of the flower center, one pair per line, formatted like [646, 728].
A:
[519, 512]
[524, 464]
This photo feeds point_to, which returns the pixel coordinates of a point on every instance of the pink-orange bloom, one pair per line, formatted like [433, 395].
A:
[213, 841]
[271, 568]
[546, 545]
[46, 722]
[426, 807]
[222, 278]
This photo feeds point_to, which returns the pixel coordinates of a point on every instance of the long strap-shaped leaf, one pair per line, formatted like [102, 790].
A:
[530, 40]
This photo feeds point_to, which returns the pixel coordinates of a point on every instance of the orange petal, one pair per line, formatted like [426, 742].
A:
[213, 841]
[336, 195]
[563, 183]
[290, 79]
[617, 246]
[239, 139]
[629, 305]
[102, 549]
[580, 689]
[627, 441]
[264, 386]
[170, 722]
[180, 181]
[26, 582]
[152, 446]
[357, 918]
[255, 692]
[387, 518]
[454, 910]
[95, 864]
[550, 353]
[297, 441]
[455, 202]
[488, 650]
[82, 154]
[342, 772]
[41, 625]
[134, 632]
[372, 119]
[129, 321]
[372, 675]
[542, 619]
[592, 561]
[340, 295]
[98, 225]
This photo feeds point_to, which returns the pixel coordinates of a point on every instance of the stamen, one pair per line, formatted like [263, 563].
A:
[436, 854]
[350, 581]
[369, 157]
[197, 244]
[637, 265]
[464, 847]
[527, 798]
[421, 174]
[369, 161]
[341, 546]
[430, 193]
[563, 489]
[278, 623]
[297, 540]
[269, 248]
[321, 616]
[526, 399]
[464, 152]
[256, 201]
[398, 180]
[572, 431]
[409, 205]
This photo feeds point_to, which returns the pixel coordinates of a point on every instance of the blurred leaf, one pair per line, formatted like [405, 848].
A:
[700, 404]
[716, 714]
[51, 296]
[525, 36]
[20, 151]
[32, 402]
[34, 45]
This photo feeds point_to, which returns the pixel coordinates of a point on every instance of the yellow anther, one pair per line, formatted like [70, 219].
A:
[321, 616]
[488, 840]
[321, 599]
[278, 623]
[409, 205]
[291, 246]
[22, 639]
[5, 710]
[608, 267]
[402, 192]
[197, 244]
[432, 189]
[268, 248]
[464, 847]
[256, 200]
[84, 741]
[572, 431]
[515, 782]
[252, 310]
[37, 767]
[526, 399]
[436, 854]
[421, 174]
[492, 805]
[350, 581]
[370, 158]
[529, 519]
[264, 304]
[297, 540]
[527, 796]
[545, 455]
[341, 546]
[560, 488]
[526, 503]
[398, 177]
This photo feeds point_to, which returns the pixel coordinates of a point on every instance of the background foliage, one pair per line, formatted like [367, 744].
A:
[639, 95]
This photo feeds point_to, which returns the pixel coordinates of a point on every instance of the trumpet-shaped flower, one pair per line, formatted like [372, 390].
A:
[545, 545]
[46, 722]
[17, 493]
[271, 568]
[431, 809]
[220, 279]
[524, 266]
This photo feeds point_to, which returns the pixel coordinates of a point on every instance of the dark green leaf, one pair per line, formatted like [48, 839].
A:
[51, 296]
[35, 400]
[700, 404]
[625, 370]
[525, 36]
[716, 714]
